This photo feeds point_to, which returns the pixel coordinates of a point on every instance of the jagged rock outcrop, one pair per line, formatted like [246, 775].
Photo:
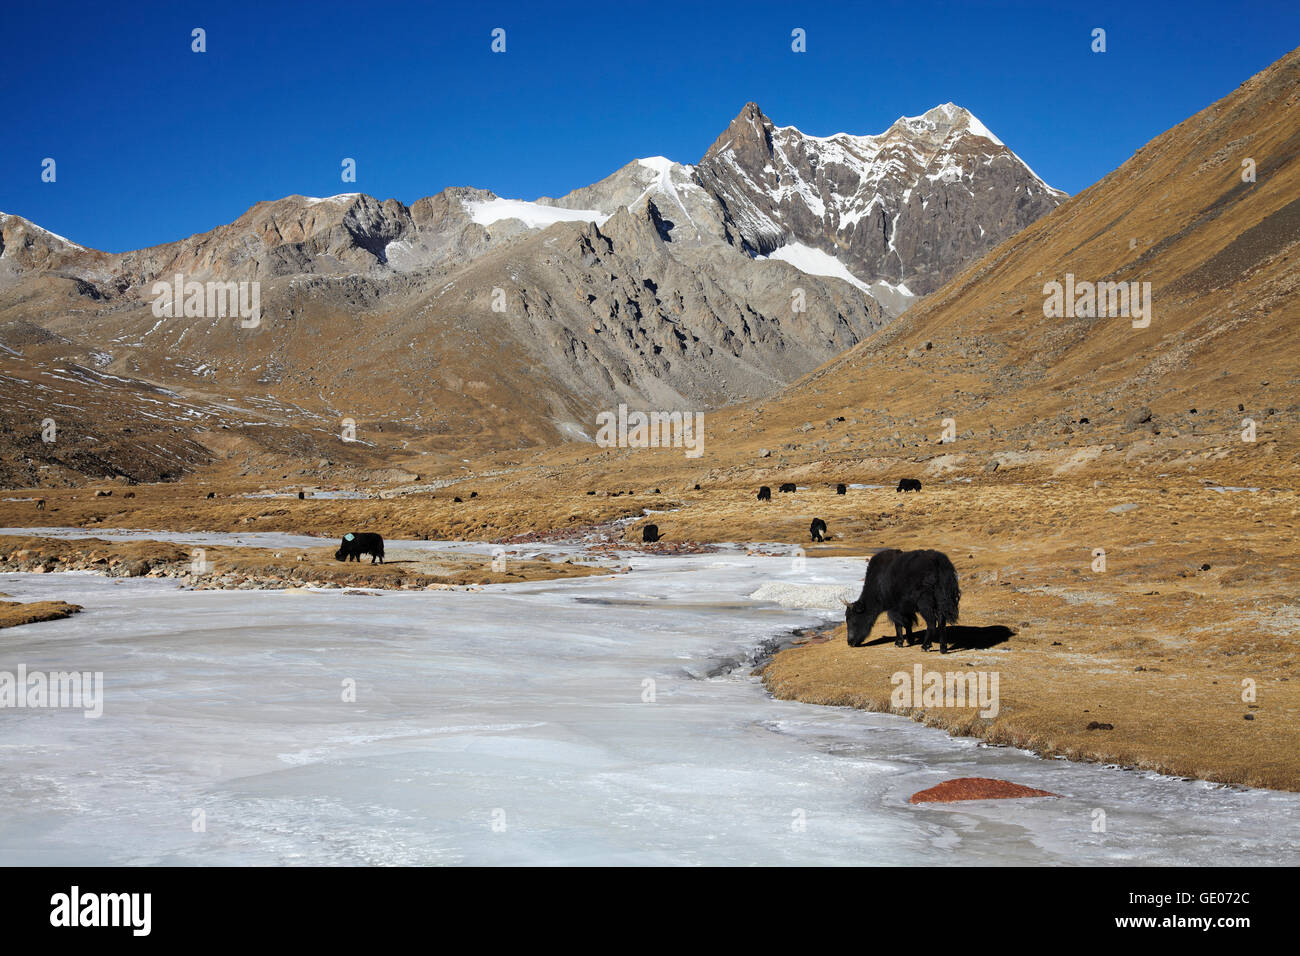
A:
[911, 206]
[468, 318]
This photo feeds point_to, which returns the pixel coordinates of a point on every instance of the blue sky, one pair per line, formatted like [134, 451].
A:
[154, 142]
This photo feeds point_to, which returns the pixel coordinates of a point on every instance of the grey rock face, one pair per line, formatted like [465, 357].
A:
[650, 286]
[911, 206]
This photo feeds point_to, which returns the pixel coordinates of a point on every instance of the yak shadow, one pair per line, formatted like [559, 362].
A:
[960, 637]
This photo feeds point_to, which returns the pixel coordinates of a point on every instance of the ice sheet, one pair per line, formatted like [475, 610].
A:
[513, 725]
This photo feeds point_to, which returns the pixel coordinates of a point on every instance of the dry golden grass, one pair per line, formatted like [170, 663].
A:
[14, 613]
[1024, 550]
[1158, 644]
[1175, 712]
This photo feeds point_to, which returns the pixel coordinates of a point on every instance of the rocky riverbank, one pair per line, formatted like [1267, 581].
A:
[244, 568]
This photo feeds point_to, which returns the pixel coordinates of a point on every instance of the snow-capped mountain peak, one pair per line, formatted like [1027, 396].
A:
[906, 206]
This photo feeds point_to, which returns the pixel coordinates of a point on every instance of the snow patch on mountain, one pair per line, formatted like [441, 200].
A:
[816, 263]
[340, 199]
[893, 298]
[531, 214]
[28, 224]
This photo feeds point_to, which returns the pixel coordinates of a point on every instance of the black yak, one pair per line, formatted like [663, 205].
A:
[302, 496]
[788, 486]
[902, 584]
[357, 543]
[841, 489]
[40, 504]
[765, 493]
[908, 484]
[650, 533]
[818, 530]
[212, 494]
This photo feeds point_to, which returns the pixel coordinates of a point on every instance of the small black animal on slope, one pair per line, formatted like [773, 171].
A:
[765, 493]
[357, 543]
[908, 484]
[902, 584]
[818, 530]
[650, 533]
[788, 486]
[841, 489]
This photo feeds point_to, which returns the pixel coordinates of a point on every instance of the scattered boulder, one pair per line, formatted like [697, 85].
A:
[1137, 418]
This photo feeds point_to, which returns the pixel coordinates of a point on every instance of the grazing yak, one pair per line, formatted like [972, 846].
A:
[765, 493]
[908, 484]
[902, 584]
[357, 543]
[40, 504]
[211, 494]
[302, 496]
[787, 487]
[650, 533]
[818, 530]
[841, 489]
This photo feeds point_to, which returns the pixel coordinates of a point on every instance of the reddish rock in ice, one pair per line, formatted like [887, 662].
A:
[977, 788]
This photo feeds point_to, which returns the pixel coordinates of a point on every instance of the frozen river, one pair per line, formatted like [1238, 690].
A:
[563, 722]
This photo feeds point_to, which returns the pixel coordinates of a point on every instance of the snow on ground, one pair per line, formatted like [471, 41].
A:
[816, 263]
[598, 720]
[790, 594]
[338, 200]
[895, 298]
[531, 214]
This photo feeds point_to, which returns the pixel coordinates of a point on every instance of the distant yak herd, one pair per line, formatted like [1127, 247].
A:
[817, 532]
[765, 493]
[901, 585]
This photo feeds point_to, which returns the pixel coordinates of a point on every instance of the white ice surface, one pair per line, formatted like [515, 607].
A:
[525, 701]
